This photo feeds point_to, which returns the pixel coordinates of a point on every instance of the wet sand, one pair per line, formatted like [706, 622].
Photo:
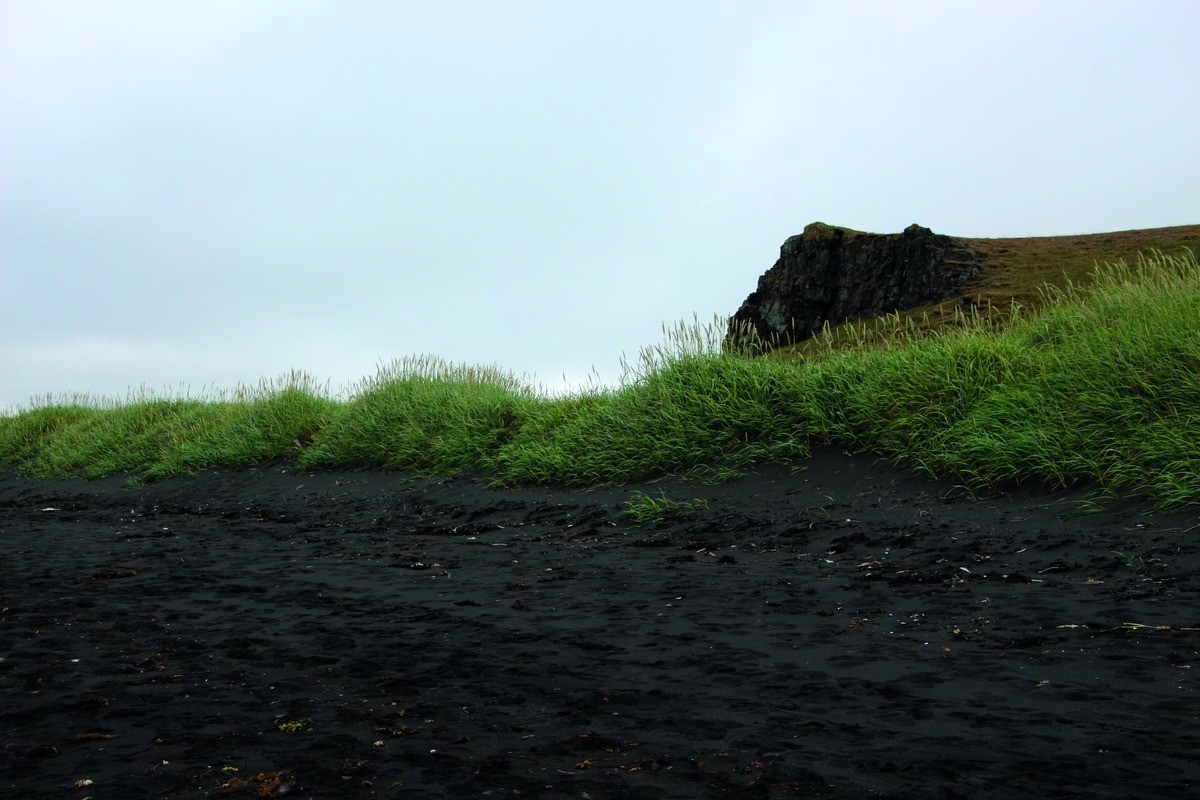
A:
[844, 630]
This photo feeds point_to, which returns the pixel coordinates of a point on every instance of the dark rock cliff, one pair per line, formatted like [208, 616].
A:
[829, 275]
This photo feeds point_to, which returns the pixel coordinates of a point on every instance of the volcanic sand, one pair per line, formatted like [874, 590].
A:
[838, 629]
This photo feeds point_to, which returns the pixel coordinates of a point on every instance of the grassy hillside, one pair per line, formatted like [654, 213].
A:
[1013, 274]
[1100, 386]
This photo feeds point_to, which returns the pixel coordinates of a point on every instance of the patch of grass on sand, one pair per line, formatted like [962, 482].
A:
[1100, 386]
[641, 507]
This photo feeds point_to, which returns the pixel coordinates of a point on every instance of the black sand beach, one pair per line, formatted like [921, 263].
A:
[842, 631]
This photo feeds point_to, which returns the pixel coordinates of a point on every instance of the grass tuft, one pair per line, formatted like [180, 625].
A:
[422, 414]
[641, 507]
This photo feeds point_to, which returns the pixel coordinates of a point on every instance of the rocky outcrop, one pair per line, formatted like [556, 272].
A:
[829, 275]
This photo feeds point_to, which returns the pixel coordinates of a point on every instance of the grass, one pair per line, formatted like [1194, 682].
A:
[158, 437]
[422, 414]
[1099, 386]
[641, 507]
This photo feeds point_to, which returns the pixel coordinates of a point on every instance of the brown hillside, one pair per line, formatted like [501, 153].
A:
[1014, 272]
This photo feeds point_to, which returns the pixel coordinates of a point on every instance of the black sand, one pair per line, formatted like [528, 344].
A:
[841, 632]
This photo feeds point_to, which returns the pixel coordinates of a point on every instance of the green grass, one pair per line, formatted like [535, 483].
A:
[422, 414]
[1100, 386]
[641, 507]
[155, 437]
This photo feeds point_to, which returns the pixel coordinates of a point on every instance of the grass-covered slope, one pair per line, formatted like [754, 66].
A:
[154, 437]
[1011, 277]
[1100, 386]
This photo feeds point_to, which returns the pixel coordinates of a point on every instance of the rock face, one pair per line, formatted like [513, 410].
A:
[831, 275]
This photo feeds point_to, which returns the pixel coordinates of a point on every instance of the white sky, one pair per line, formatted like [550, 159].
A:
[201, 194]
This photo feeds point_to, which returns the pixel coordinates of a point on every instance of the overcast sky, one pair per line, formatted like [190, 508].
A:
[207, 193]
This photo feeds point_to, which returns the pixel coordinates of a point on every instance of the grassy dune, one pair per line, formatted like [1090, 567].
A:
[1100, 385]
